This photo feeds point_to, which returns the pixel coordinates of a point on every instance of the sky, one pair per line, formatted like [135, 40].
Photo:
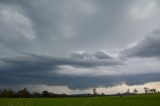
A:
[76, 45]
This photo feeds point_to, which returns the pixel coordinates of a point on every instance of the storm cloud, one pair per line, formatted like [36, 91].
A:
[38, 69]
[79, 43]
[149, 47]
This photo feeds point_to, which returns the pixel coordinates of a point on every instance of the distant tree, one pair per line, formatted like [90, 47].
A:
[154, 90]
[150, 91]
[0, 92]
[4, 93]
[135, 90]
[7, 93]
[102, 94]
[119, 94]
[146, 90]
[128, 91]
[24, 93]
[45, 94]
[63, 94]
[36, 94]
[95, 91]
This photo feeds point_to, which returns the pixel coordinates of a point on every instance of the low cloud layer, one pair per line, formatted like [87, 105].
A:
[75, 73]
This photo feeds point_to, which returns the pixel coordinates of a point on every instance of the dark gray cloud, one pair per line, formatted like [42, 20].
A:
[31, 69]
[37, 69]
[33, 61]
[87, 55]
[147, 48]
[102, 55]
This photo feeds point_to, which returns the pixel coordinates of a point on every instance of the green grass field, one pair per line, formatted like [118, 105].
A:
[136, 100]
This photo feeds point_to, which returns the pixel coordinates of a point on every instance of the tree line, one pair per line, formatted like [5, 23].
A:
[24, 93]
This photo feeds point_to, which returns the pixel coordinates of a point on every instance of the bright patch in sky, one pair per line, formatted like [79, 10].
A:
[17, 21]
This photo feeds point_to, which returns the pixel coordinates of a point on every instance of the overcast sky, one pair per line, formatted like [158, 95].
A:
[79, 44]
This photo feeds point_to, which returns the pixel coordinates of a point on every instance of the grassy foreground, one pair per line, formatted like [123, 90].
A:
[135, 100]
